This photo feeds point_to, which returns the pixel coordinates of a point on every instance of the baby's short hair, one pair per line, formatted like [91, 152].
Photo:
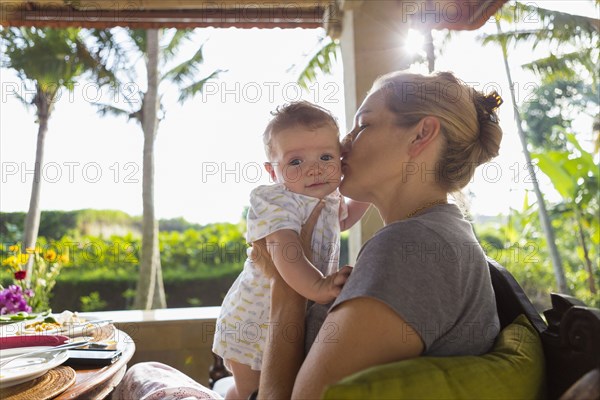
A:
[298, 113]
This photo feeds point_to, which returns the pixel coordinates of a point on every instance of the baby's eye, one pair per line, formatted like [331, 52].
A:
[295, 161]
[326, 157]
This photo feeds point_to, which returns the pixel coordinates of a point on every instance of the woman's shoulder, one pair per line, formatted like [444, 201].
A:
[443, 222]
[440, 234]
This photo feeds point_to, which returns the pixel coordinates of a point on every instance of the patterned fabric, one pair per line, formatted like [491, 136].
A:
[243, 325]
[157, 381]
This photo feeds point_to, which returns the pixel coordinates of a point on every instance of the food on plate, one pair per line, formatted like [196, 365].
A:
[20, 316]
[42, 326]
[61, 322]
[64, 319]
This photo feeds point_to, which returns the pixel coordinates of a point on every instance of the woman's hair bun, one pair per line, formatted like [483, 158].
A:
[487, 105]
[492, 101]
[490, 133]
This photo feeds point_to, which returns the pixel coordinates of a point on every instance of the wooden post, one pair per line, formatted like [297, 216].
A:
[372, 45]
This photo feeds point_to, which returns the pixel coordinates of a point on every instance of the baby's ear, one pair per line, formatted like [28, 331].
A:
[271, 170]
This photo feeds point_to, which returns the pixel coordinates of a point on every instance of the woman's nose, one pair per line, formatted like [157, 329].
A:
[346, 143]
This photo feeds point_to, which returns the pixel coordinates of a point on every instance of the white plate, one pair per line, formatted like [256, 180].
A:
[27, 368]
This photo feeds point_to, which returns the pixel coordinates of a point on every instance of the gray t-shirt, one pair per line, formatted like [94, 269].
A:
[431, 270]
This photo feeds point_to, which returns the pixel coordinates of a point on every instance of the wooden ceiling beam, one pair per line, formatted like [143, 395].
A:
[240, 17]
[436, 14]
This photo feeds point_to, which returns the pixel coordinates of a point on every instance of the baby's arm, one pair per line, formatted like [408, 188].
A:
[285, 248]
[356, 210]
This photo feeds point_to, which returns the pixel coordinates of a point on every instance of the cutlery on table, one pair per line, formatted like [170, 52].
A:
[62, 347]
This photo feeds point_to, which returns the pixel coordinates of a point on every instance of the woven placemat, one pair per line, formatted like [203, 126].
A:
[47, 386]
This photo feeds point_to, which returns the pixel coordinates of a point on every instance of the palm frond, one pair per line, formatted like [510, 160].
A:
[565, 66]
[112, 49]
[17, 93]
[107, 47]
[58, 54]
[139, 38]
[551, 26]
[186, 70]
[109, 109]
[321, 61]
[94, 64]
[565, 22]
[179, 37]
[510, 37]
[196, 87]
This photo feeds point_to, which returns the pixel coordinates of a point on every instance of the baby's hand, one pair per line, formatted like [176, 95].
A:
[330, 286]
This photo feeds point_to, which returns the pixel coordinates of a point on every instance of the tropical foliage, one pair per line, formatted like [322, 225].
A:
[210, 252]
[47, 61]
[321, 61]
[517, 242]
[568, 89]
[195, 248]
[121, 51]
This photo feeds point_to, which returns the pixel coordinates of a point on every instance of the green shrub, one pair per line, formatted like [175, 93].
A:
[93, 302]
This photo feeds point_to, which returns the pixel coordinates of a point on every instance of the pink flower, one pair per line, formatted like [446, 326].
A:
[20, 275]
[12, 300]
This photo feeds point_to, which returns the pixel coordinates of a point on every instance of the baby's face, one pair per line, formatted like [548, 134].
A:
[306, 161]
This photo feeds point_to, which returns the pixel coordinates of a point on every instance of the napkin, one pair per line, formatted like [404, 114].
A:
[11, 342]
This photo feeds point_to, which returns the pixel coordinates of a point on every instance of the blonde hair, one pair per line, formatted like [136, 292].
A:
[299, 113]
[468, 120]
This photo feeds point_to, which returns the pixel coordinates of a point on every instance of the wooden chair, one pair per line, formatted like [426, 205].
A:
[570, 338]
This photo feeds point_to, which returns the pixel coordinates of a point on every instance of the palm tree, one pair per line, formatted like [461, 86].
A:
[559, 272]
[580, 36]
[117, 47]
[47, 61]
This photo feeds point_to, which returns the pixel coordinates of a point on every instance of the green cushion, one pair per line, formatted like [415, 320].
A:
[513, 369]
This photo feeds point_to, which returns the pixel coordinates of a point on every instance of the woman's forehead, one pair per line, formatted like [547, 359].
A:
[373, 102]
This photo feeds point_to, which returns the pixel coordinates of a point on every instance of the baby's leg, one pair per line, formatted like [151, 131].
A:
[246, 381]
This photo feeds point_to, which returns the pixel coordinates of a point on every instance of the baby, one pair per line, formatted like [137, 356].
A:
[302, 145]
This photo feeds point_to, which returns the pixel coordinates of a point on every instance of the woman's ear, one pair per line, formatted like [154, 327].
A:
[426, 132]
[271, 170]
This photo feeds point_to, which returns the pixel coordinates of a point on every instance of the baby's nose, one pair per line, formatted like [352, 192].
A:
[315, 169]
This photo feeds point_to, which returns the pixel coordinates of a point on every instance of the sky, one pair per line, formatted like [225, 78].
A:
[209, 151]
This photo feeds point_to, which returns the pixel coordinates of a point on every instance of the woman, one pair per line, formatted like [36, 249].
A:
[421, 285]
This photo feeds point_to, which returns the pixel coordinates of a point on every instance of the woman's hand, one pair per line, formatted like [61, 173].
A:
[260, 255]
[306, 233]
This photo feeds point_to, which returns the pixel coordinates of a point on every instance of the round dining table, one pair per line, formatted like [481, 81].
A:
[81, 382]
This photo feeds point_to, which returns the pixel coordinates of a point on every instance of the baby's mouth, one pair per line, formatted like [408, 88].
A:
[316, 184]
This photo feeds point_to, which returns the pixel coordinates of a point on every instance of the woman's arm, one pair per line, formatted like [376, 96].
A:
[284, 351]
[357, 334]
[356, 210]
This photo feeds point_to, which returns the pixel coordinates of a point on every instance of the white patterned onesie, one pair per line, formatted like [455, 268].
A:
[243, 324]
